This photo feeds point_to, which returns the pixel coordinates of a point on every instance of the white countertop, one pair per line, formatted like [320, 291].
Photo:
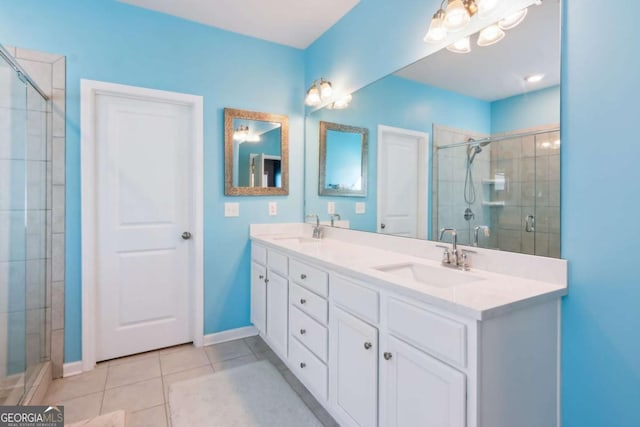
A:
[490, 295]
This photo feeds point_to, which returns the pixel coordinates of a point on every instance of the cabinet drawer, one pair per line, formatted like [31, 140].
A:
[309, 277]
[278, 262]
[309, 332]
[309, 302]
[259, 254]
[444, 338]
[357, 299]
[308, 368]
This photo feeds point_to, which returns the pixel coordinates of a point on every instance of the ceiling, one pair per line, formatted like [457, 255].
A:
[498, 71]
[295, 23]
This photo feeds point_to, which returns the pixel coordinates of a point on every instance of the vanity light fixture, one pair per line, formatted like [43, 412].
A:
[490, 35]
[513, 20]
[486, 7]
[437, 32]
[461, 46]
[456, 16]
[241, 133]
[320, 90]
[534, 78]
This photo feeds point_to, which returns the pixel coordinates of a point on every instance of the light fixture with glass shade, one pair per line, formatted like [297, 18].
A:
[534, 78]
[513, 20]
[456, 16]
[460, 46]
[486, 7]
[320, 90]
[490, 35]
[437, 32]
[241, 133]
[341, 103]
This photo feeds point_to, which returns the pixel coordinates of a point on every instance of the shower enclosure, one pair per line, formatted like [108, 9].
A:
[499, 191]
[24, 216]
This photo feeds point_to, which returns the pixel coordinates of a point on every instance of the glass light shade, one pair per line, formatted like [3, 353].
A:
[313, 96]
[342, 103]
[326, 90]
[456, 16]
[534, 78]
[490, 35]
[461, 46]
[437, 32]
[486, 7]
[253, 138]
[513, 20]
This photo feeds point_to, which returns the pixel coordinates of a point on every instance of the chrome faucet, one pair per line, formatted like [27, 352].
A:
[317, 231]
[476, 231]
[333, 217]
[454, 258]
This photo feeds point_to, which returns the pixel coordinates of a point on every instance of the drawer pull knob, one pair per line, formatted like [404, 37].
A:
[367, 345]
[266, 280]
[303, 276]
[303, 365]
[303, 301]
[261, 276]
[387, 355]
[303, 331]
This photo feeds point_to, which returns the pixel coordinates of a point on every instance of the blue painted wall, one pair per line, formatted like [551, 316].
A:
[110, 41]
[532, 109]
[344, 160]
[391, 101]
[600, 152]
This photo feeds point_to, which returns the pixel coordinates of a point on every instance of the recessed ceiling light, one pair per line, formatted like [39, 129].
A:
[534, 78]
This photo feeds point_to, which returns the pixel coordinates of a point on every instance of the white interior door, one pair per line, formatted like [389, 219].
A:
[144, 205]
[402, 182]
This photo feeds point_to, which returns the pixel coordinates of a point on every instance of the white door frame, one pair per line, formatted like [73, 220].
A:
[423, 177]
[89, 90]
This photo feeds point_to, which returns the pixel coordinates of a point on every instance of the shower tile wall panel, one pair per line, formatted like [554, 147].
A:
[448, 190]
[46, 174]
[531, 166]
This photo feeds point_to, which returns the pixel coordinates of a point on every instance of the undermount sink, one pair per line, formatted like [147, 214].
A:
[299, 240]
[439, 277]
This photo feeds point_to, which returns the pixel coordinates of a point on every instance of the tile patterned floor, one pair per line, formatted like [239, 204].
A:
[139, 384]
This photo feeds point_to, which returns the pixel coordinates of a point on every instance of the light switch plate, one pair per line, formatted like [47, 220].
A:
[273, 208]
[231, 209]
[331, 208]
[360, 207]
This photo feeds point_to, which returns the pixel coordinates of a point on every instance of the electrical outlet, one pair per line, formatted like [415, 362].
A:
[331, 208]
[273, 208]
[360, 208]
[231, 209]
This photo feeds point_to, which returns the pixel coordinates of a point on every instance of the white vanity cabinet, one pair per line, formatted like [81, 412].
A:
[375, 357]
[270, 297]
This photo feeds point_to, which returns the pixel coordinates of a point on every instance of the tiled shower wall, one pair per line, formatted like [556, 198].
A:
[449, 166]
[49, 72]
[531, 166]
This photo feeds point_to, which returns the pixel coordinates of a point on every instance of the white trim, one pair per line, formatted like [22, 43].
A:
[71, 369]
[423, 177]
[230, 335]
[89, 89]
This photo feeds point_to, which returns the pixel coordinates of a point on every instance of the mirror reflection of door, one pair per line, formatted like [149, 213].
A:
[259, 154]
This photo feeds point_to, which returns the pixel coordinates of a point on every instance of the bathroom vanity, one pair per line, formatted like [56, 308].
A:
[383, 335]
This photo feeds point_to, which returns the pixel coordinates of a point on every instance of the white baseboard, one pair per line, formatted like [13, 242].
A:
[230, 335]
[73, 368]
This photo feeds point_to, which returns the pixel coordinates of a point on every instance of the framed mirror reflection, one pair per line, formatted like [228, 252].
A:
[343, 160]
[256, 153]
[489, 117]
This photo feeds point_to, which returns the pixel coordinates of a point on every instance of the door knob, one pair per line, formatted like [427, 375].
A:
[186, 235]
[383, 225]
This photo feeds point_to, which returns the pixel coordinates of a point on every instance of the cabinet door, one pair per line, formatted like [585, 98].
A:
[277, 312]
[355, 369]
[258, 297]
[420, 390]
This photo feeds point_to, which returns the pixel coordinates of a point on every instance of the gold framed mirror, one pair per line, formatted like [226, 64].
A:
[343, 160]
[256, 153]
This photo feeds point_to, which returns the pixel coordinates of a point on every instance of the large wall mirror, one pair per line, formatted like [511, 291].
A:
[256, 147]
[343, 160]
[464, 140]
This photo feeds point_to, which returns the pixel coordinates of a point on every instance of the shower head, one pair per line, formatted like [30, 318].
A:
[472, 151]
